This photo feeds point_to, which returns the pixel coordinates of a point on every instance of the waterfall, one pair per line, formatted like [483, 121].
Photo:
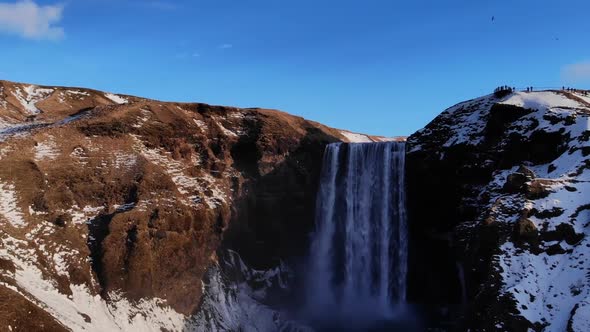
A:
[358, 256]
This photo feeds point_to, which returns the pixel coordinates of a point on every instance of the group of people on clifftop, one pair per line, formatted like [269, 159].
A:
[582, 92]
[504, 88]
[502, 91]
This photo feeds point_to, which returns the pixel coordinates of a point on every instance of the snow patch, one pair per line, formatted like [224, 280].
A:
[225, 131]
[81, 216]
[77, 93]
[469, 120]
[80, 155]
[236, 115]
[546, 287]
[389, 139]
[541, 100]
[143, 119]
[46, 150]
[9, 209]
[30, 95]
[116, 98]
[201, 124]
[124, 160]
[356, 138]
[3, 102]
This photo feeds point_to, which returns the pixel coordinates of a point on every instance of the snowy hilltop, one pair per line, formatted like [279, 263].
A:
[508, 183]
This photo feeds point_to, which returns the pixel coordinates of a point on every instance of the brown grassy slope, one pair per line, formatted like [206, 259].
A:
[178, 169]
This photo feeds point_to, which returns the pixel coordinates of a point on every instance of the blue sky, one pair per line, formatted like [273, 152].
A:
[382, 67]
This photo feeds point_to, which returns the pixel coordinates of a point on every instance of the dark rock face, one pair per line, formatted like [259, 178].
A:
[480, 180]
[272, 220]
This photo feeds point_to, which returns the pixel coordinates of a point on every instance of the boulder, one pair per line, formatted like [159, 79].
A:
[527, 172]
[515, 183]
[526, 230]
[538, 188]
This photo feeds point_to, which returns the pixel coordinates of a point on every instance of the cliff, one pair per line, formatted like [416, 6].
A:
[499, 204]
[113, 207]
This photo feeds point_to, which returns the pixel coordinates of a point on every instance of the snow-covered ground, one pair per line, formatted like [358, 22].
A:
[548, 287]
[542, 100]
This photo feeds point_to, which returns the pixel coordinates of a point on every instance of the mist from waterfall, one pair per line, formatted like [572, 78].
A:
[358, 257]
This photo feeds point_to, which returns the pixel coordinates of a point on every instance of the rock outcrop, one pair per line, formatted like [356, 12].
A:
[113, 208]
[499, 197]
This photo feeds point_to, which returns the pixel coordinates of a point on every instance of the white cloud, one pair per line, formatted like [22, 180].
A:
[577, 72]
[226, 46]
[30, 20]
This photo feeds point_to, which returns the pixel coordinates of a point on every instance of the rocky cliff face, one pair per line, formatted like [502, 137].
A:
[113, 208]
[500, 207]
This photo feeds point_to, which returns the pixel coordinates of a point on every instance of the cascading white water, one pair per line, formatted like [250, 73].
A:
[358, 258]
